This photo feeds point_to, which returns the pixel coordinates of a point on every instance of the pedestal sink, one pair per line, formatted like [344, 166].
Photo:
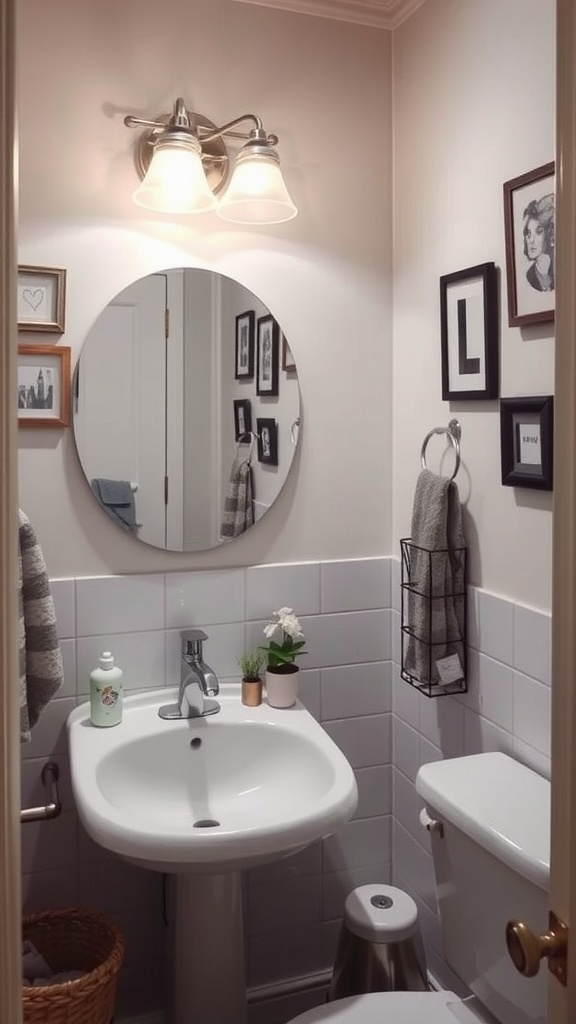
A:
[201, 799]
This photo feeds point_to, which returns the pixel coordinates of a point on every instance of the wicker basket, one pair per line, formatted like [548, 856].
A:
[74, 940]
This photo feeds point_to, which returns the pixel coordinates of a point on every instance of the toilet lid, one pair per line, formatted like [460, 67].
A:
[392, 1008]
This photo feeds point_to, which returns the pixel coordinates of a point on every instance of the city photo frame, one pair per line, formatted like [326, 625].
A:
[267, 432]
[529, 226]
[41, 299]
[267, 356]
[526, 441]
[43, 374]
[242, 419]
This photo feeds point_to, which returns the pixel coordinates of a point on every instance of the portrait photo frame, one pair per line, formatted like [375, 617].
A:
[526, 441]
[288, 363]
[41, 299]
[267, 356]
[529, 227]
[267, 431]
[43, 373]
[242, 419]
[244, 345]
[469, 333]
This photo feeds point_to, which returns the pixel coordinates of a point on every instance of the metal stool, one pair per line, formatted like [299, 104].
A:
[379, 948]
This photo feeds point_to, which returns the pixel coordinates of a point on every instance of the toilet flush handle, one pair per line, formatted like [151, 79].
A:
[527, 949]
[430, 824]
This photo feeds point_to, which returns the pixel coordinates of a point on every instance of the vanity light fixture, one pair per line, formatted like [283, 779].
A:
[183, 164]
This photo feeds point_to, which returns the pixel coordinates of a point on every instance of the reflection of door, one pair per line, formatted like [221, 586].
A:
[125, 437]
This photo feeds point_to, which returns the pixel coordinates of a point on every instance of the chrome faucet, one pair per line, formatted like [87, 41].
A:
[198, 682]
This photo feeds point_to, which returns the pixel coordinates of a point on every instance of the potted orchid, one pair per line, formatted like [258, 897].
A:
[285, 643]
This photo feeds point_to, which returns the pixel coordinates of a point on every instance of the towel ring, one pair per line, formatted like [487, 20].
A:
[243, 439]
[454, 433]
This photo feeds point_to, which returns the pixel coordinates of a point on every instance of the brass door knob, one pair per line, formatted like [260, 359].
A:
[527, 949]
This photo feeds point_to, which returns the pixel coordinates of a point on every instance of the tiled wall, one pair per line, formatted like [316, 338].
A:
[293, 907]
[507, 708]
[350, 682]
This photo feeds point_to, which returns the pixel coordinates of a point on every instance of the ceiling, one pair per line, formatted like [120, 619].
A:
[379, 13]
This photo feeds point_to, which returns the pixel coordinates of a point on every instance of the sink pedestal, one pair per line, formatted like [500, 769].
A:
[207, 949]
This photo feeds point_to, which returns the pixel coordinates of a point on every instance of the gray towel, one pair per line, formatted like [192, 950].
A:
[436, 597]
[238, 508]
[41, 674]
[117, 498]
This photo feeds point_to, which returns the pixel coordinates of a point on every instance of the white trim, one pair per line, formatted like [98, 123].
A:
[387, 14]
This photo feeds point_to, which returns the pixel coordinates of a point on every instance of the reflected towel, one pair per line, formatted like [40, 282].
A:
[238, 504]
[40, 667]
[117, 498]
[436, 611]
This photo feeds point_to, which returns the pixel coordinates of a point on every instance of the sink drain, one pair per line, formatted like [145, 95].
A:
[206, 823]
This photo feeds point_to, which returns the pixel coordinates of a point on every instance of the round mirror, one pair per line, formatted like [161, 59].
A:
[186, 409]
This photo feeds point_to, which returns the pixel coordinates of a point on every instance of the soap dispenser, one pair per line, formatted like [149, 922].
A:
[106, 693]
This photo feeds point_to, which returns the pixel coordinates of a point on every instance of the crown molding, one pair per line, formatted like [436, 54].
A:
[377, 13]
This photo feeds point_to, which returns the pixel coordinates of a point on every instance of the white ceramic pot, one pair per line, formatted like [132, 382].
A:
[282, 687]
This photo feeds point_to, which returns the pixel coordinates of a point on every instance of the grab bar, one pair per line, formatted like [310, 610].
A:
[454, 432]
[52, 808]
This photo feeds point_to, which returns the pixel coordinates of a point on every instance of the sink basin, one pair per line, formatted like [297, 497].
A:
[222, 793]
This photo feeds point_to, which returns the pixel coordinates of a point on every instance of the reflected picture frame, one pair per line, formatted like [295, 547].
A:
[41, 299]
[244, 345]
[43, 373]
[242, 419]
[469, 333]
[526, 442]
[529, 228]
[267, 356]
[267, 431]
[288, 364]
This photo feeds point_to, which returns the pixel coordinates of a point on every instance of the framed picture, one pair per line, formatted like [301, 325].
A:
[242, 419]
[529, 222]
[288, 363]
[267, 431]
[41, 299]
[43, 386]
[526, 436]
[245, 323]
[267, 345]
[469, 333]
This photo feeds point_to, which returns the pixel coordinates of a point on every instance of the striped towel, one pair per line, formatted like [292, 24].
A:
[40, 666]
[238, 509]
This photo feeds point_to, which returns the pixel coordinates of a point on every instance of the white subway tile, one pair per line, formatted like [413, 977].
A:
[64, 595]
[298, 901]
[532, 710]
[405, 747]
[139, 655]
[222, 649]
[395, 581]
[429, 752]
[534, 759]
[49, 890]
[490, 690]
[357, 843]
[49, 734]
[309, 691]
[415, 863]
[294, 952]
[495, 627]
[406, 700]
[347, 639]
[350, 690]
[270, 587]
[442, 723]
[114, 886]
[306, 862]
[481, 736]
[407, 806]
[50, 845]
[355, 585]
[533, 643]
[364, 741]
[374, 791]
[203, 598]
[68, 651]
[119, 604]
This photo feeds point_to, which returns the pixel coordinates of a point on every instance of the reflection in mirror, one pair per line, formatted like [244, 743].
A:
[186, 409]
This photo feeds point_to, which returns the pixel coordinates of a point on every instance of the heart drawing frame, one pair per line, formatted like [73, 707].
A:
[41, 299]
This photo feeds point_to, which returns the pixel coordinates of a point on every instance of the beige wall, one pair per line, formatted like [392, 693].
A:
[326, 276]
[474, 107]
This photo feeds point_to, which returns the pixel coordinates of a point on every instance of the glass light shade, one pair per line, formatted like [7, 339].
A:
[257, 193]
[175, 181]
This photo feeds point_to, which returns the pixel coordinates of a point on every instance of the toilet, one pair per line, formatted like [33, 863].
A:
[488, 817]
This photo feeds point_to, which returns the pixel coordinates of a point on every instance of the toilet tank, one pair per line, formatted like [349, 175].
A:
[491, 862]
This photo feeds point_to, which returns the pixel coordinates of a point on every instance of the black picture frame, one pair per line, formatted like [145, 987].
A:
[529, 227]
[469, 333]
[288, 364]
[267, 356]
[267, 431]
[242, 419]
[526, 441]
[244, 348]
